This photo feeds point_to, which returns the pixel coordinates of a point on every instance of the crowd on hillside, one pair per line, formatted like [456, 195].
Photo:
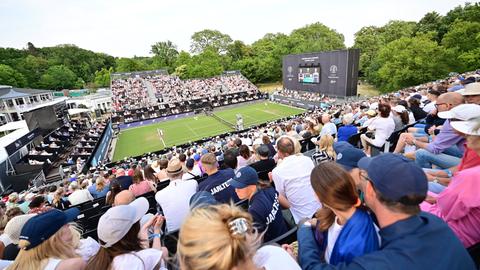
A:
[390, 184]
[133, 93]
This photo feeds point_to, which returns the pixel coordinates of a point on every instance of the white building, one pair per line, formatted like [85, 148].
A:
[102, 100]
[15, 101]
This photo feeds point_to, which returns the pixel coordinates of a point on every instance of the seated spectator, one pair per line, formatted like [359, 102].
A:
[230, 159]
[221, 237]
[263, 203]
[447, 148]
[418, 112]
[100, 188]
[410, 239]
[12, 231]
[47, 241]
[245, 157]
[141, 186]
[174, 199]
[471, 93]
[189, 163]
[328, 126]
[123, 198]
[78, 195]
[266, 141]
[124, 180]
[37, 205]
[59, 201]
[292, 181]
[3, 216]
[400, 117]
[149, 174]
[348, 157]
[124, 243]
[348, 129]
[217, 180]
[265, 164]
[12, 200]
[458, 204]
[342, 229]
[381, 128]
[325, 150]
[115, 188]
[162, 172]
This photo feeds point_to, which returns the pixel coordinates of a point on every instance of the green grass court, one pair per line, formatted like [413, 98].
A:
[136, 141]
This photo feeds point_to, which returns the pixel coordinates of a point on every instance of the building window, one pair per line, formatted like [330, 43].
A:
[10, 103]
[19, 101]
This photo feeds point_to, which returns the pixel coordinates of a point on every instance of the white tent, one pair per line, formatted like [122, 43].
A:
[8, 139]
[77, 111]
[13, 126]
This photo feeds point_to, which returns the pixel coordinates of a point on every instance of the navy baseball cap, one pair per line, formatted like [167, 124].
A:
[395, 176]
[244, 177]
[347, 155]
[41, 227]
[202, 198]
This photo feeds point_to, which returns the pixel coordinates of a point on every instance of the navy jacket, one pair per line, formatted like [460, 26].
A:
[420, 242]
[266, 213]
[218, 186]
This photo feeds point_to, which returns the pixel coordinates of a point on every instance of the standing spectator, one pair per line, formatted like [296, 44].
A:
[141, 186]
[47, 241]
[348, 129]
[99, 189]
[174, 199]
[292, 181]
[78, 195]
[342, 229]
[221, 237]
[263, 203]
[217, 180]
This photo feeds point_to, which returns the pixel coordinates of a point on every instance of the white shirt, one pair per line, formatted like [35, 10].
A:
[188, 175]
[383, 127]
[174, 200]
[329, 128]
[292, 180]
[333, 233]
[145, 259]
[274, 258]
[429, 107]
[80, 196]
[196, 170]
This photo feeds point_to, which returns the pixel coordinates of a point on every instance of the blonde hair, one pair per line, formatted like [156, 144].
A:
[58, 195]
[326, 144]
[206, 243]
[53, 247]
[100, 183]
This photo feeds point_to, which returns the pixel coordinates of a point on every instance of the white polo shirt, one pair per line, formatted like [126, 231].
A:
[292, 180]
[174, 200]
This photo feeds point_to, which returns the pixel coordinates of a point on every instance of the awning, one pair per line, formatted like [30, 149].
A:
[77, 111]
[13, 126]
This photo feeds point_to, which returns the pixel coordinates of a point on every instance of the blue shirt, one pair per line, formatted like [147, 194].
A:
[419, 242]
[345, 132]
[267, 215]
[97, 194]
[125, 181]
[218, 186]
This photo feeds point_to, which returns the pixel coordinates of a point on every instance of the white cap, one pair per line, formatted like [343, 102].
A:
[462, 112]
[471, 127]
[117, 221]
[374, 106]
[399, 108]
[15, 225]
[348, 118]
[471, 89]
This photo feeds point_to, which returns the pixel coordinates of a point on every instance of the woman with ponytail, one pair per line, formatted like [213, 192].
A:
[341, 229]
[221, 237]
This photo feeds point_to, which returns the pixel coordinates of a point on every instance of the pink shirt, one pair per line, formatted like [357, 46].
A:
[140, 188]
[459, 205]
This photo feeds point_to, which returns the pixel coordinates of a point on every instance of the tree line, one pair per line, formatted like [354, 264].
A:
[393, 56]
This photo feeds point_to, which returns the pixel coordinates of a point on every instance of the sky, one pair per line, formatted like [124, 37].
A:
[124, 28]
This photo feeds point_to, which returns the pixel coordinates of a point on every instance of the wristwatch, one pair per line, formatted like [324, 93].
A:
[435, 180]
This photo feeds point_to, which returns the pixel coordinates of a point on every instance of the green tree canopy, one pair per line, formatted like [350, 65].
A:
[166, 52]
[9, 76]
[102, 77]
[208, 38]
[316, 37]
[59, 77]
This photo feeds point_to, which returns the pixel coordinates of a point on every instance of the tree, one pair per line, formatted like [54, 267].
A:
[316, 37]
[213, 39]
[102, 77]
[58, 77]
[32, 68]
[166, 52]
[238, 50]
[204, 65]
[394, 30]
[431, 22]
[462, 36]
[368, 40]
[410, 61]
[9, 76]
[130, 64]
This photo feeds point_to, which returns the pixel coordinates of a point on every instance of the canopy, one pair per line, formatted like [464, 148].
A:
[77, 111]
[13, 126]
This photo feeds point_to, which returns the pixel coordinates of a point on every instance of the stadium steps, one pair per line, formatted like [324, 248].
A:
[53, 177]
